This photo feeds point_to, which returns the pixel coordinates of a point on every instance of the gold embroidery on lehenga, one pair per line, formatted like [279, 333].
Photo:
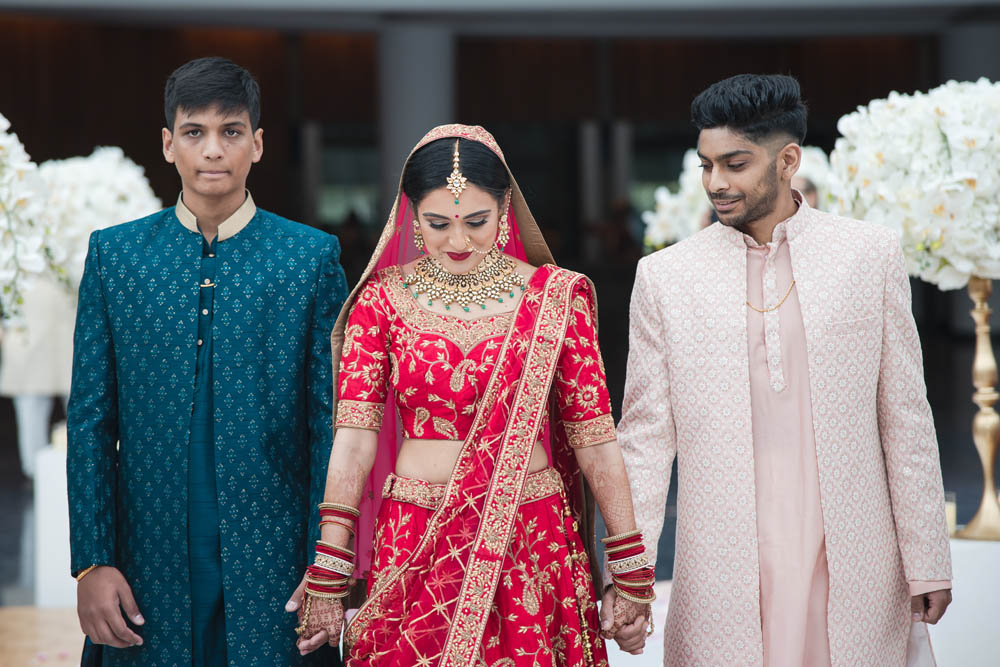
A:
[537, 485]
[596, 431]
[360, 414]
[466, 334]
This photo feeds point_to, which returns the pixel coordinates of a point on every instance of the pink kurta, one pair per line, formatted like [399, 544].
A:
[794, 581]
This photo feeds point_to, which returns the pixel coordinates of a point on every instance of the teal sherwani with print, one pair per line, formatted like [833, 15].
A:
[200, 427]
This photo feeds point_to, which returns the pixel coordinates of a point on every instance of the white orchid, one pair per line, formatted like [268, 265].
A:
[925, 165]
[678, 214]
[23, 239]
[90, 193]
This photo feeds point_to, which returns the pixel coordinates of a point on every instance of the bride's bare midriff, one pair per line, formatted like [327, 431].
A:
[433, 460]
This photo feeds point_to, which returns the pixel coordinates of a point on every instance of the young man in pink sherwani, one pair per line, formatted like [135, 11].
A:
[775, 355]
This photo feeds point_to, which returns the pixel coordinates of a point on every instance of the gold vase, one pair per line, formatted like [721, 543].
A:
[985, 525]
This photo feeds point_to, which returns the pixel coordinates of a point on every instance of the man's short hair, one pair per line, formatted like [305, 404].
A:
[208, 83]
[755, 105]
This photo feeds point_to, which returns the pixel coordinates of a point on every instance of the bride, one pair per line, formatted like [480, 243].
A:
[471, 395]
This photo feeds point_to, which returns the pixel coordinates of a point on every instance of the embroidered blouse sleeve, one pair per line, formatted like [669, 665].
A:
[580, 384]
[364, 362]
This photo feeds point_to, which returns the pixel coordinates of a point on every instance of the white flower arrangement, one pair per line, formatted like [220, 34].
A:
[678, 214]
[682, 213]
[89, 193]
[925, 165]
[24, 242]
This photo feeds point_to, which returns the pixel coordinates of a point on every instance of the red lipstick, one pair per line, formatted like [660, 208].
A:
[459, 256]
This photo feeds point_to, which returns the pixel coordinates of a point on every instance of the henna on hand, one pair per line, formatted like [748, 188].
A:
[324, 614]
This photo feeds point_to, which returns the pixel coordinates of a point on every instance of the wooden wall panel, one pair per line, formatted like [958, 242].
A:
[526, 79]
[656, 80]
[68, 86]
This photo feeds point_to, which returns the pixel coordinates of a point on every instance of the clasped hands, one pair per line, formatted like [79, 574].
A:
[624, 621]
[324, 624]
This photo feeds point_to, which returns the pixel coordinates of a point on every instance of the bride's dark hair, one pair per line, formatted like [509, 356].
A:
[431, 165]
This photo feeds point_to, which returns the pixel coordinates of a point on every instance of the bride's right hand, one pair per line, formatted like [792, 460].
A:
[326, 621]
[624, 621]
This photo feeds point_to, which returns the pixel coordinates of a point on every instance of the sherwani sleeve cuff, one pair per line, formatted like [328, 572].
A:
[923, 587]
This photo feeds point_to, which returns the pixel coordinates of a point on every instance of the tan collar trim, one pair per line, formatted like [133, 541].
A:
[229, 228]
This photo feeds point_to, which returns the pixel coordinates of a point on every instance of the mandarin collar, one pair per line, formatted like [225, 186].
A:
[229, 228]
[785, 230]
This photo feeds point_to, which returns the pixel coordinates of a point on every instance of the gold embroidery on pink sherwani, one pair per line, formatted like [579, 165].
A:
[687, 394]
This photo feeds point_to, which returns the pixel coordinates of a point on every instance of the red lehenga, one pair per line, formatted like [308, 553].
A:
[490, 568]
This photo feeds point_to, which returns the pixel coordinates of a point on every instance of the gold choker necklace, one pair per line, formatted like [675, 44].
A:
[493, 278]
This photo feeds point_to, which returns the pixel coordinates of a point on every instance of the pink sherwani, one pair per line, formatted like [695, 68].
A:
[809, 485]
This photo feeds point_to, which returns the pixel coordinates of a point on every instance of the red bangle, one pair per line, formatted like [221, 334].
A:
[631, 539]
[637, 550]
[338, 514]
[349, 529]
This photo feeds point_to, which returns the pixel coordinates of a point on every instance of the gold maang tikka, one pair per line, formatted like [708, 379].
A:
[456, 182]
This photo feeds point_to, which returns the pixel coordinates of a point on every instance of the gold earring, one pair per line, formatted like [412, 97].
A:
[418, 238]
[503, 234]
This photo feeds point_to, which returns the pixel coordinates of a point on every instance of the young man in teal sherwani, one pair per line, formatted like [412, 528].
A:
[200, 410]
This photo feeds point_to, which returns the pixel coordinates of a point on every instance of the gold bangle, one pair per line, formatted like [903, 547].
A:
[337, 506]
[621, 536]
[633, 598]
[334, 546]
[84, 573]
[327, 596]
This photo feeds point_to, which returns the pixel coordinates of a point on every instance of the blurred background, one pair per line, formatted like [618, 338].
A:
[589, 101]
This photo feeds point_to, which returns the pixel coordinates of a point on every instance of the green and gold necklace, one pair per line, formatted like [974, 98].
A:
[493, 278]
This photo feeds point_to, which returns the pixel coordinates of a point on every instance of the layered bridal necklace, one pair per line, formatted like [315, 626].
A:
[493, 278]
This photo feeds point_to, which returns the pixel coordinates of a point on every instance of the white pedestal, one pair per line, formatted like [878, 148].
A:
[967, 635]
[54, 587]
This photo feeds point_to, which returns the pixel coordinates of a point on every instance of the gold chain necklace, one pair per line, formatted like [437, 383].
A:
[776, 307]
[493, 278]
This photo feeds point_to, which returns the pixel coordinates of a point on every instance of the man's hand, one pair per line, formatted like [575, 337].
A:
[101, 596]
[293, 602]
[930, 607]
[631, 636]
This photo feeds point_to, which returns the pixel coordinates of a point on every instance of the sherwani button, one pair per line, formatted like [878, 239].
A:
[200, 341]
